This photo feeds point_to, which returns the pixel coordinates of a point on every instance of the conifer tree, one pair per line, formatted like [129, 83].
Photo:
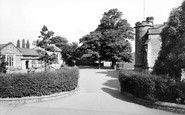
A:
[18, 43]
[23, 43]
[27, 44]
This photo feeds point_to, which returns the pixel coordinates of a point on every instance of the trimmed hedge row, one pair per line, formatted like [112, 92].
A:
[151, 87]
[37, 84]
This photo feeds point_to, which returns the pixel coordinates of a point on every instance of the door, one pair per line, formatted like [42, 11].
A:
[27, 64]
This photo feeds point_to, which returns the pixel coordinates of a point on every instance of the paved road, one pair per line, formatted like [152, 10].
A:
[98, 95]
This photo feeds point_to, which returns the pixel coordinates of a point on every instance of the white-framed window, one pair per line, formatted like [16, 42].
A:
[10, 60]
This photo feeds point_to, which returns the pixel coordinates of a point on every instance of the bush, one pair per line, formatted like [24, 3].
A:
[139, 84]
[151, 87]
[37, 84]
[3, 63]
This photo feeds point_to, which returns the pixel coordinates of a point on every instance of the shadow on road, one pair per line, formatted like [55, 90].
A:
[112, 88]
[110, 73]
[112, 83]
[116, 94]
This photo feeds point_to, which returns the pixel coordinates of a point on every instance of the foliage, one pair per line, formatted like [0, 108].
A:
[36, 43]
[38, 84]
[18, 43]
[110, 40]
[48, 59]
[3, 63]
[91, 46]
[23, 43]
[58, 40]
[152, 87]
[70, 53]
[171, 57]
[69, 50]
[27, 44]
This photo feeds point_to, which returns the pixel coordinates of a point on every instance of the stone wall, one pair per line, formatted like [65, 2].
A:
[18, 63]
[11, 50]
[154, 45]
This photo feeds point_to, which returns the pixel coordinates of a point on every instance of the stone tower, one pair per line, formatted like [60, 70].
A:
[141, 37]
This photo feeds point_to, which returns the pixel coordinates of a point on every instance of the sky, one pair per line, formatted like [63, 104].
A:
[72, 19]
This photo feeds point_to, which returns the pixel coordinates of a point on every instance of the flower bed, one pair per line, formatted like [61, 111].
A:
[151, 87]
[38, 84]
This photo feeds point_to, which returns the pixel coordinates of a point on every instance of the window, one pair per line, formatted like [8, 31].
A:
[10, 60]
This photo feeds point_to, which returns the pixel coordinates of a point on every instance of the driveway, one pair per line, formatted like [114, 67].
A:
[98, 95]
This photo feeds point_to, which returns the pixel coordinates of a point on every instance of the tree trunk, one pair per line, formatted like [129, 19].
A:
[99, 63]
[114, 64]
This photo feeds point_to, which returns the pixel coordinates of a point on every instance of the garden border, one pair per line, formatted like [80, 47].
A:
[177, 108]
[32, 99]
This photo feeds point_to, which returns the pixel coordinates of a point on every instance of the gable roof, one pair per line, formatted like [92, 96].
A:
[156, 29]
[2, 46]
[28, 52]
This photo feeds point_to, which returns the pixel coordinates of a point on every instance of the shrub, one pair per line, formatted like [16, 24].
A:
[152, 87]
[37, 84]
[3, 63]
[139, 84]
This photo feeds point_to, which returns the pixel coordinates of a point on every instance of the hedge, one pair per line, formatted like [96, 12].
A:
[38, 84]
[152, 87]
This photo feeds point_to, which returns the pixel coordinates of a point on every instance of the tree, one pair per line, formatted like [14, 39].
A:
[27, 44]
[69, 50]
[36, 43]
[58, 40]
[171, 57]
[46, 36]
[68, 53]
[110, 41]
[18, 43]
[91, 46]
[23, 43]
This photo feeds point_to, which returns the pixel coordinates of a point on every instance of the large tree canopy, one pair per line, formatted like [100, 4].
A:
[172, 55]
[110, 40]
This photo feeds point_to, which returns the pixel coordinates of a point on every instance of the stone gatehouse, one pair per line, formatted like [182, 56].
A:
[147, 44]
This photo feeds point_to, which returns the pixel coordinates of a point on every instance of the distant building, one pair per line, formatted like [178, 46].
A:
[29, 58]
[147, 44]
[24, 58]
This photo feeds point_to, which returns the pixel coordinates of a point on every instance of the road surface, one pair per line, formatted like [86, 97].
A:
[98, 95]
